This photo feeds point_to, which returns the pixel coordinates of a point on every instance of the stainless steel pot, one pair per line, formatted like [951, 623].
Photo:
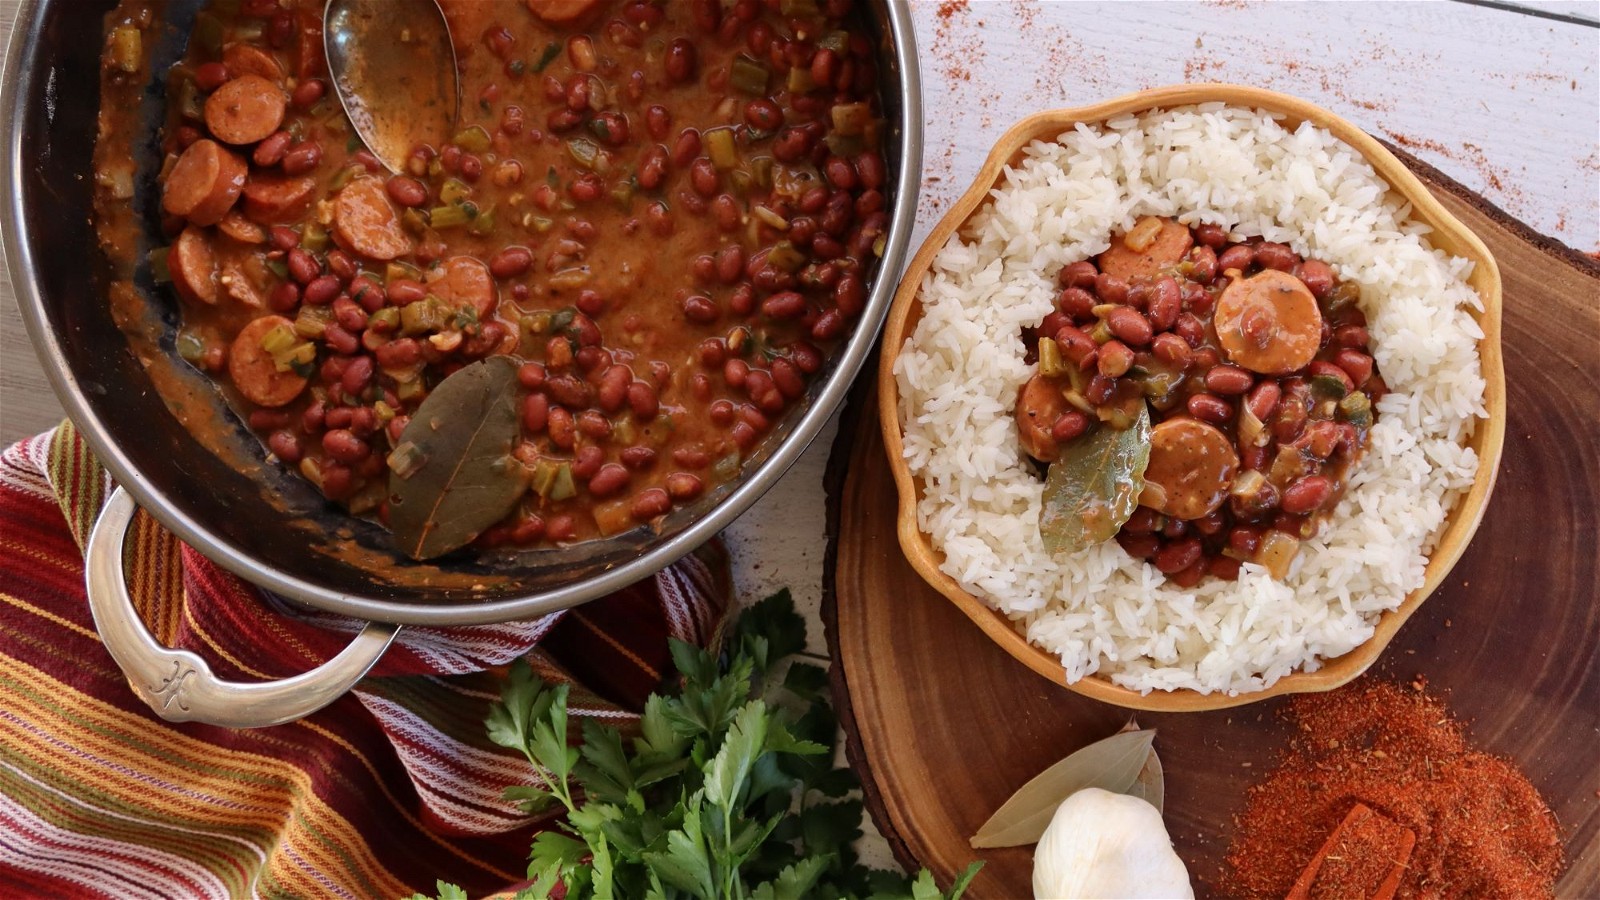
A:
[268, 527]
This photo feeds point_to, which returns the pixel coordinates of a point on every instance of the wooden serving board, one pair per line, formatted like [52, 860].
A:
[942, 725]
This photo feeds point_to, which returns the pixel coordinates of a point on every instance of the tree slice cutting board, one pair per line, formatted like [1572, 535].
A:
[942, 725]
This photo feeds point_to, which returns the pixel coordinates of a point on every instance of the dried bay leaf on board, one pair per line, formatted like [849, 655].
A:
[1151, 785]
[1094, 486]
[466, 479]
[1113, 764]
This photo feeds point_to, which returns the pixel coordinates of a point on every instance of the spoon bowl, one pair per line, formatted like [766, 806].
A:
[388, 60]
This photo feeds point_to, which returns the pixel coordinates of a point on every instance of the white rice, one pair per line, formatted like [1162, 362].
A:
[1099, 609]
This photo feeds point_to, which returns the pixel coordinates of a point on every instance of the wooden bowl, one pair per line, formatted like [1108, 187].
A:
[1448, 234]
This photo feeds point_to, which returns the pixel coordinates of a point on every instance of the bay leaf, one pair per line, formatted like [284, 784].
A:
[1112, 764]
[1094, 486]
[1151, 785]
[467, 480]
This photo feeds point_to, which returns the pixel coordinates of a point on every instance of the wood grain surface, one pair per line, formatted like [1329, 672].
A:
[942, 725]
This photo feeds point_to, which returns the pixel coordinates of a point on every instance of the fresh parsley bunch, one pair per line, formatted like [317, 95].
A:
[729, 791]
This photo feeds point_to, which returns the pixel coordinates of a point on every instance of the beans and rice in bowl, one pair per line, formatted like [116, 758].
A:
[1190, 398]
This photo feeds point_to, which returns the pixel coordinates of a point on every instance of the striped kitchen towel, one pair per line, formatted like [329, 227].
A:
[379, 794]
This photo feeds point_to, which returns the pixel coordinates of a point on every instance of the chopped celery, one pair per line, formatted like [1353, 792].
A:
[473, 139]
[564, 487]
[720, 147]
[127, 49]
[1050, 363]
[386, 319]
[454, 190]
[312, 321]
[800, 81]
[851, 118]
[748, 76]
[160, 272]
[278, 340]
[443, 217]
[406, 459]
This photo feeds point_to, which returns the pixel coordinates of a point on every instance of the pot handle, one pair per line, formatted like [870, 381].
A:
[179, 685]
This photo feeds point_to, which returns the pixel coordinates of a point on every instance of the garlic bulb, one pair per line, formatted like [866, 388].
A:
[1105, 845]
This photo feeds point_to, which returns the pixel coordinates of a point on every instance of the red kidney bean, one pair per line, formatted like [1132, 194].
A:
[593, 424]
[1317, 277]
[850, 294]
[1138, 546]
[1306, 495]
[700, 308]
[357, 375]
[1100, 389]
[535, 412]
[509, 262]
[680, 61]
[1203, 264]
[1356, 364]
[650, 504]
[1264, 399]
[340, 264]
[563, 430]
[1189, 327]
[405, 291]
[302, 158]
[1166, 302]
[613, 390]
[368, 293]
[1209, 408]
[344, 446]
[683, 486]
[1228, 380]
[840, 173]
[339, 416]
[283, 238]
[1077, 346]
[1352, 336]
[1175, 528]
[735, 372]
[637, 458]
[1209, 524]
[322, 290]
[1170, 348]
[1081, 274]
[1239, 256]
[1244, 539]
[1329, 370]
[307, 93]
[686, 147]
[828, 326]
[1110, 288]
[1069, 425]
[303, 267]
[743, 435]
[644, 402]
[763, 115]
[1290, 420]
[569, 390]
[1076, 302]
[611, 479]
[1272, 255]
[1131, 327]
[726, 211]
[1210, 236]
[268, 419]
[285, 446]
[340, 340]
[588, 462]
[791, 383]
[1115, 359]
[399, 353]
[1178, 555]
[784, 305]
[272, 148]
[531, 375]
[210, 76]
[284, 297]
[1144, 521]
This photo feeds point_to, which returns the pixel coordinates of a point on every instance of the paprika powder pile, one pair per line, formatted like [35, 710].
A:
[1481, 828]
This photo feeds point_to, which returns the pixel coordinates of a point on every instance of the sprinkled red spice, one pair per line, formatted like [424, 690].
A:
[1481, 828]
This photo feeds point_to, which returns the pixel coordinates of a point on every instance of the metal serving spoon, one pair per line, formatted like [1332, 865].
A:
[394, 70]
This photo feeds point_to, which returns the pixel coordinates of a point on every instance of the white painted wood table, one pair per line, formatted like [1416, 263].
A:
[1503, 97]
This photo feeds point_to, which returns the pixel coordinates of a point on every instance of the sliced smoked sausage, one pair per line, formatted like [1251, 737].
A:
[245, 110]
[247, 59]
[193, 266]
[1039, 404]
[204, 183]
[1163, 247]
[1192, 465]
[253, 370]
[561, 12]
[1269, 323]
[365, 221]
[461, 280]
[278, 199]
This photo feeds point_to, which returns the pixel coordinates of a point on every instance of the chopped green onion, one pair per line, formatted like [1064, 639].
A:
[551, 51]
